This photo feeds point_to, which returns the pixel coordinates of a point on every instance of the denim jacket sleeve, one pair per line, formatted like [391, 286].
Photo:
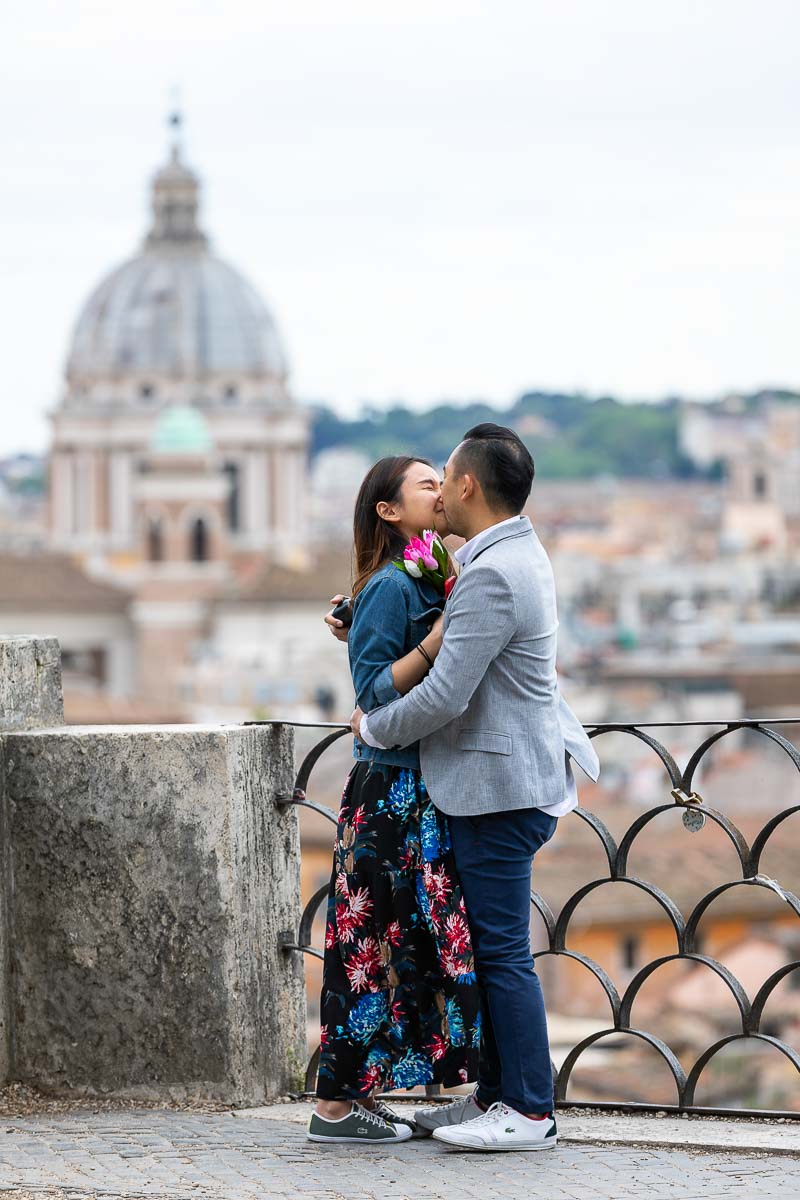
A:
[377, 639]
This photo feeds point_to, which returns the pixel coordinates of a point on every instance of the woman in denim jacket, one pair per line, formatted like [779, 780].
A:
[400, 1002]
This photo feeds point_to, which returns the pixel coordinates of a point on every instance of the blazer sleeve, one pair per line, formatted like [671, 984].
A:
[482, 619]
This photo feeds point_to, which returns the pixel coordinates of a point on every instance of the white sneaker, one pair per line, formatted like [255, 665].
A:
[439, 1116]
[500, 1128]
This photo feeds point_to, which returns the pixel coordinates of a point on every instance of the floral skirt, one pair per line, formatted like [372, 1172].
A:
[400, 1004]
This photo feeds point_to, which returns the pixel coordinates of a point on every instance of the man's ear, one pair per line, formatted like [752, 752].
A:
[467, 487]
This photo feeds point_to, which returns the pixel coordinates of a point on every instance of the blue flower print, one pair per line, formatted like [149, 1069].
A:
[402, 796]
[366, 1016]
[412, 1069]
[455, 1023]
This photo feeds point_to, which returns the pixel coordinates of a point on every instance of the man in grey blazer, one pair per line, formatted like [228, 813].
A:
[496, 740]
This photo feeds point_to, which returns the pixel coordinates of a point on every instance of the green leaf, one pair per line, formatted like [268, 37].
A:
[440, 554]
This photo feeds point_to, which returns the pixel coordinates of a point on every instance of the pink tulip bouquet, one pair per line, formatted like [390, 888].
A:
[426, 558]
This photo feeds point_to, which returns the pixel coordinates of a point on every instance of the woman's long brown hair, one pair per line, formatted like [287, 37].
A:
[375, 541]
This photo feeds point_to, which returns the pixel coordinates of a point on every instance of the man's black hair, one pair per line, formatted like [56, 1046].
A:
[502, 464]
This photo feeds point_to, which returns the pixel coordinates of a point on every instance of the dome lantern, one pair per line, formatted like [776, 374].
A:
[176, 193]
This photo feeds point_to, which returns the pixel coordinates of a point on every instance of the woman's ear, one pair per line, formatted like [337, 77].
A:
[386, 512]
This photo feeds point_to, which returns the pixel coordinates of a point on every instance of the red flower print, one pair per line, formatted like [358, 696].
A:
[449, 584]
[453, 965]
[437, 885]
[324, 1037]
[330, 935]
[360, 904]
[407, 859]
[371, 1076]
[346, 923]
[342, 886]
[352, 912]
[358, 818]
[364, 965]
[398, 1016]
[463, 1076]
[437, 1048]
[456, 932]
[394, 934]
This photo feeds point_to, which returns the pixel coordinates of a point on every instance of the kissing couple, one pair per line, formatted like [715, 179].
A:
[462, 768]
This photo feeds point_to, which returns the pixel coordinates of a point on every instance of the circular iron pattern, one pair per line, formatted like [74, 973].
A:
[685, 929]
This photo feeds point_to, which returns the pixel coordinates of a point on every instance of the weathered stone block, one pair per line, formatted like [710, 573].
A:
[30, 683]
[152, 875]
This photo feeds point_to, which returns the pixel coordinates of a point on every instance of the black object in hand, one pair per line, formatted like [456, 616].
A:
[343, 612]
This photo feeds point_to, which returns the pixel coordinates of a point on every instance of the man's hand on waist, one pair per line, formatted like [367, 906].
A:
[360, 726]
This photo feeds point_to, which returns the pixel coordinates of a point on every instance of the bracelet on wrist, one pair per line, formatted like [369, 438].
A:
[424, 654]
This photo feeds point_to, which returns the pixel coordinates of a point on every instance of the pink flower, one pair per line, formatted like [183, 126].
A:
[424, 554]
[412, 558]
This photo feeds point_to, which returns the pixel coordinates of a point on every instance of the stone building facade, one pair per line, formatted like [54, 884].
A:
[178, 466]
[176, 328]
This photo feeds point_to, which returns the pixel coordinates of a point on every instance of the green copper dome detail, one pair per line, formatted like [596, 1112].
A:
[181, 430]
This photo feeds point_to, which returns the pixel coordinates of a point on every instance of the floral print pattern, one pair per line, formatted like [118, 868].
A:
[400, 1003]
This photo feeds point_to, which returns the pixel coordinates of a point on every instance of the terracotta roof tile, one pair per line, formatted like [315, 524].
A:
[51, 582]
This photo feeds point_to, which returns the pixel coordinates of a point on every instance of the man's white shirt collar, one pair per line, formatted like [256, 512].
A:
[467, 552]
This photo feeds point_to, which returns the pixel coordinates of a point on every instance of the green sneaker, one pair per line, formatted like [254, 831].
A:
[358, 1126]
[393, 1118]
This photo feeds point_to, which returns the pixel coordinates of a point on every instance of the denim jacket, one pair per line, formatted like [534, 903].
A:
[391, 615]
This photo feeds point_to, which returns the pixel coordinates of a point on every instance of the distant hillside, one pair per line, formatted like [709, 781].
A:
[570, 436]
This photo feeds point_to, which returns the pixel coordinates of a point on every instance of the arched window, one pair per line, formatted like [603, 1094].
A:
[155, 540]
[232, 473]
[198, 541]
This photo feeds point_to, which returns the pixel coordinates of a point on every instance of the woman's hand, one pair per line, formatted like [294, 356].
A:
[338, 630]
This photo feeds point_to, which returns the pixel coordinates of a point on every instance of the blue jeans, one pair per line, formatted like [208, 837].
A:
[493, 854]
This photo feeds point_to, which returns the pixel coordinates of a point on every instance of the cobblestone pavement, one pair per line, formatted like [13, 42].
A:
[183, 1156]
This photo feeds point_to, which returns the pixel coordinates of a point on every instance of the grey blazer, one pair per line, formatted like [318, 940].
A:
[492, 726]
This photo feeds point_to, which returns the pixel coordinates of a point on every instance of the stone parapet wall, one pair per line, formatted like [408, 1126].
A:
[150, 878]
[30, 683]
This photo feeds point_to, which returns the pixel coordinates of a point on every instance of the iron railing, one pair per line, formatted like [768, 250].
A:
[696, 812]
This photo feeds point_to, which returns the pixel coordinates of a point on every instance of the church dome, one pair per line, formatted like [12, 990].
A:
[175, 309]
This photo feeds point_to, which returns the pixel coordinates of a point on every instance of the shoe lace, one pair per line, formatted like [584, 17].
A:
[364, 1114]
[498, 1109]
[463, 1101]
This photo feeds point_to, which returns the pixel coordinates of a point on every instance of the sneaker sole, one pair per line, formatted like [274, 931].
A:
[321, 1137]
[546, 1145]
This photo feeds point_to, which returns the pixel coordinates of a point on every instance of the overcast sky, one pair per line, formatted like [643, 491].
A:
[437, 199]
